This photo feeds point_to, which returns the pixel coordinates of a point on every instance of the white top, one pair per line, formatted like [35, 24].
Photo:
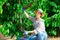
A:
[39, 25]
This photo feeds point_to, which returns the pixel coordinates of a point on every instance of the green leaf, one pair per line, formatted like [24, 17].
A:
[54, 32]
[1, 10]
[53, 4]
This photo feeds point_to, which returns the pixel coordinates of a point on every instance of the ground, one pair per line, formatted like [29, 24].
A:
[54, 38]
[14, 38]
[50, 38]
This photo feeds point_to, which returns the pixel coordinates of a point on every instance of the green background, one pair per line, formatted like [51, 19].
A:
[13, 20]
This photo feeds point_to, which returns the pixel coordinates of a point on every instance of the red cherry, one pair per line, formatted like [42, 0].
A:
[25, 7]
[4, 5]
[30, 4]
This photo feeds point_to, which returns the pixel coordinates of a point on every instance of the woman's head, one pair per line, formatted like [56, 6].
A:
[39, 13]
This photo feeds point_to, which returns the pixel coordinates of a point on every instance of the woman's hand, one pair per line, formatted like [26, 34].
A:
[23, 9]
[26, 32]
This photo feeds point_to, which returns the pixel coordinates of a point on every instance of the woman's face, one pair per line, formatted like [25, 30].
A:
[38, 14]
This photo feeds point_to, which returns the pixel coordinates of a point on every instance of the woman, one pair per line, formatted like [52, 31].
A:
[38, 24]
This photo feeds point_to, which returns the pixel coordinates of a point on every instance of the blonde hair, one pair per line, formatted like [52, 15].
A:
[41, 13]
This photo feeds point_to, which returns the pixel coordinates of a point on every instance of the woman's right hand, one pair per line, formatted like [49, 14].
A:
[22, 9]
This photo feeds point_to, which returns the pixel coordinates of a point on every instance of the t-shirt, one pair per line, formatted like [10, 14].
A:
[38, 25]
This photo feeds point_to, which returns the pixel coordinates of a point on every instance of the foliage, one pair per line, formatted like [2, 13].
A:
[11, 12]
[1, 3]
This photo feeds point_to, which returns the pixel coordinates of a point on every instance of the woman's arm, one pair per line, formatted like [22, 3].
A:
[26, 14]
[31, 18]
[32, 32]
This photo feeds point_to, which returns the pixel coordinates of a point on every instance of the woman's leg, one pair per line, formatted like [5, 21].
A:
[32, 37]
[42, 36]
[45, 36]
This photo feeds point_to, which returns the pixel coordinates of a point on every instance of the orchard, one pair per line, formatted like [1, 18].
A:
[13, 20]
